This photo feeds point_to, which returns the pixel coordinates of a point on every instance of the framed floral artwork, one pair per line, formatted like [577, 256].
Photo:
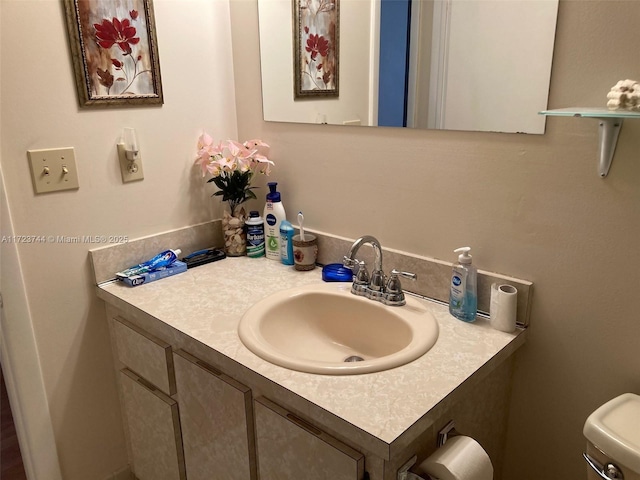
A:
[316, 48]
[115, 54]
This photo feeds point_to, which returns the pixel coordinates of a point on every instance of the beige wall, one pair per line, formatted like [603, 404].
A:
[531, 206]
[39, 110]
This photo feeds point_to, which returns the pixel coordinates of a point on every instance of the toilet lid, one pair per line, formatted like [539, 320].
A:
[615, 429]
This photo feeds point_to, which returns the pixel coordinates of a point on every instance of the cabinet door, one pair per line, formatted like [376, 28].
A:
[216, 420]
[154, 430]
[145, 354]
[291, 449]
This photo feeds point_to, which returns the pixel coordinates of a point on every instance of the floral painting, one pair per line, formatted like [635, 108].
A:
[316, 48]
[114, 52]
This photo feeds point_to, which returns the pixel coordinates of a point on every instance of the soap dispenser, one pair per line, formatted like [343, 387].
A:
[463, 298]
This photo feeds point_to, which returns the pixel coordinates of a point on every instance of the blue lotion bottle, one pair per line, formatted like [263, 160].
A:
[463, 298]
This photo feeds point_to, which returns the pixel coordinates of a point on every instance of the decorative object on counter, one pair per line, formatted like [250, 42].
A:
[463, 298]
[274, 214]
[233, 231]
[232, 165]
[286, 242]
[305, 252]
[255, 235]
[624, 95]
[503, 308]
[115, 53]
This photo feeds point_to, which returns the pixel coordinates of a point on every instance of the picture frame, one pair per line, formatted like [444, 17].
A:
[316, 31]
[115, 52]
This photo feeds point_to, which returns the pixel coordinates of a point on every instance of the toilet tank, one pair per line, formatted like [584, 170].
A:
[613, 438]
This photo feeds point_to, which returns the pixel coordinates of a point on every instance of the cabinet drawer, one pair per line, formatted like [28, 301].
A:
[217, 422]
[145, 354]
[290, 449]
[154, 430]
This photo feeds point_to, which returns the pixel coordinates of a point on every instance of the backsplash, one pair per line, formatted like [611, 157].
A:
[432, 282]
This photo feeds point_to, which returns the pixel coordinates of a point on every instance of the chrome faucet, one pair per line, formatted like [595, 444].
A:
[375, 286]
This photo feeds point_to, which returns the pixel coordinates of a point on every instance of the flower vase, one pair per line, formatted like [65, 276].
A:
[233, 231]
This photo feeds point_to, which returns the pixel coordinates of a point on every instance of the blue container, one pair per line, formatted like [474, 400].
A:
[286, 242]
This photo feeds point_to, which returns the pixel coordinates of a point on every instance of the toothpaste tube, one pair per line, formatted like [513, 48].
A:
[161, 260]
[164, 272]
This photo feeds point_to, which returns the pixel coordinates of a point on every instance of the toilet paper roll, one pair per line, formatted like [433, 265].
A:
[460, 458]
[503, 308]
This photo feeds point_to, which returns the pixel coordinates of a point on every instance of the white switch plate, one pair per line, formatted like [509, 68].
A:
[53, 169]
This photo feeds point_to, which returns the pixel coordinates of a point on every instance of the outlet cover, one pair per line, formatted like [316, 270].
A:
[131, 171]
[53, 169]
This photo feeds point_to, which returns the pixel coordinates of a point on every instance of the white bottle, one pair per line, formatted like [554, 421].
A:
[274, 214]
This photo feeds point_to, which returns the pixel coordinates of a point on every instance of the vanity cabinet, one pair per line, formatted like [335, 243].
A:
[217, 421]
[154, 429]
[291, 448]
[151, 416]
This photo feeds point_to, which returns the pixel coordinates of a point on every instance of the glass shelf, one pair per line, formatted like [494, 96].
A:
[610, 122]
[590, 113]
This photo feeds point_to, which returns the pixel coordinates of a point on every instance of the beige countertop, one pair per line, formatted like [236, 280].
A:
[206, 303]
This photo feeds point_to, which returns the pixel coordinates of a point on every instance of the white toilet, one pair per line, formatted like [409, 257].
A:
[613, 440]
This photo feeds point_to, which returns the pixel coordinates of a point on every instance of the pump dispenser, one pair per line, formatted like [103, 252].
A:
[463, 299]
[274, 214]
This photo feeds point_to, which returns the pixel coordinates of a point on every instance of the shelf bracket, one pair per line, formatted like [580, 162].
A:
[609, 130]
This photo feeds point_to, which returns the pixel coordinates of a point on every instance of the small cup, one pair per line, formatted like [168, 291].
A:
[305, 253]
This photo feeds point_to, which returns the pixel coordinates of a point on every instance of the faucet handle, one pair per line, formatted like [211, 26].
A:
[397, 273]
[362, 277]
[361, 281]
[393, 293]
[349, 262]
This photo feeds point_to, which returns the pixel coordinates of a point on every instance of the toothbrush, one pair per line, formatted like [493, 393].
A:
[300, 224]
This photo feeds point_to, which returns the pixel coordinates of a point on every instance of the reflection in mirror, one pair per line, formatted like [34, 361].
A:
[477, 65]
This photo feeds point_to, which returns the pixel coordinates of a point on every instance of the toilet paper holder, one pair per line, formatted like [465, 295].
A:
[448, 431]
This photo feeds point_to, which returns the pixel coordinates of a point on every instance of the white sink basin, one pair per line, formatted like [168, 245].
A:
[315, 328]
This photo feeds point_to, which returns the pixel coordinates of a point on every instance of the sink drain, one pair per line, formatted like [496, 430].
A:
[354, 358]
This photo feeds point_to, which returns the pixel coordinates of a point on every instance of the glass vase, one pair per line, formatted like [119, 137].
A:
[233, 231]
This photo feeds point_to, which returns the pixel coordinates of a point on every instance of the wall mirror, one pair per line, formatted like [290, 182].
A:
[474, 65]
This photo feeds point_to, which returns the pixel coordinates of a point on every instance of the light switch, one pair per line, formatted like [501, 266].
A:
[53, 169]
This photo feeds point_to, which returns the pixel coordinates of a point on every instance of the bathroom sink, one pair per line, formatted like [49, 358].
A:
[326, 329]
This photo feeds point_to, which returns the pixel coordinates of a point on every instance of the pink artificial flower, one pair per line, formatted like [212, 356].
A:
[206, 153]
[238, 150]
[262, 164]
[257, 144]
[203, 159]
[204, 140]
